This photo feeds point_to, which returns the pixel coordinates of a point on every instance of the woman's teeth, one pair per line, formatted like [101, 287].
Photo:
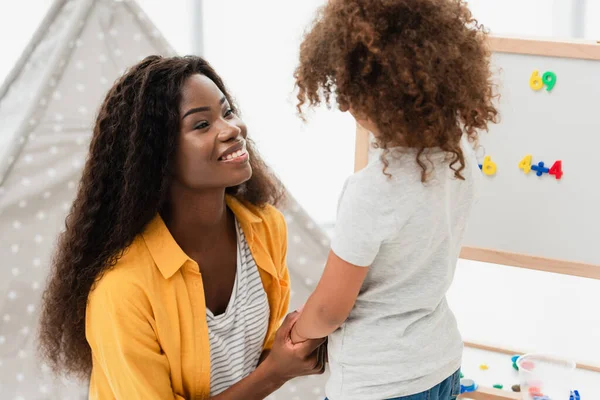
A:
[233, 155]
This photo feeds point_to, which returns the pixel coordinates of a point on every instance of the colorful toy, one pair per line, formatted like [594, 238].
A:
[484, 367]
[514, 362]
[498, 386]
[525, 165]
[536, 82]
[488, 167]
[535, 391]
[556, 169]
[516, 388]
[549, 79]
[540, 169]
[467, 385]
[575, 395]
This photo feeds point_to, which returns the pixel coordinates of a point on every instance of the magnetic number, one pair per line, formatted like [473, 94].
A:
[549, 79]
[537, 82]
[525, 164]
[489, 167]
[556, 169]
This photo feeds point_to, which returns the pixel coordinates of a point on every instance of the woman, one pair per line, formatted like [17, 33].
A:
[170, 280]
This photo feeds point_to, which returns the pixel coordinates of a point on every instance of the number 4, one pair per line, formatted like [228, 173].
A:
[525, 164]
[556, 169]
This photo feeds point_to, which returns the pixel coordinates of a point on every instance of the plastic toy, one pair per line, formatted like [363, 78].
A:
[516, 388]
[540, 169]
[467, 385]
[549, 79]
[461, 375]
[484, 367]
[556, 169]
[498, 386]
[488, 167]
[575, 395]
[536, 82]
[525, 165]
[535, 391]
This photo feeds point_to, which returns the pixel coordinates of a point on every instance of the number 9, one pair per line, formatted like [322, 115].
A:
[549, 79]
[535, 81]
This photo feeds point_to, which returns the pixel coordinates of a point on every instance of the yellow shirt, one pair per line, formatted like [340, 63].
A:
[146, 317]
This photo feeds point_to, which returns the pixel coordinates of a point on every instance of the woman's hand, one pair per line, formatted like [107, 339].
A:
[287, 360]
[283, 362]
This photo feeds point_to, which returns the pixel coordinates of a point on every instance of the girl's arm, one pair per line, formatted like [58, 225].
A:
[331, 302]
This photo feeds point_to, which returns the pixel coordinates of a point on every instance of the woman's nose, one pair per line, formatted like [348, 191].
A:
[229, 131]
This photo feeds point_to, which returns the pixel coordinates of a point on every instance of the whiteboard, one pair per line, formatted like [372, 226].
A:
[542, 216]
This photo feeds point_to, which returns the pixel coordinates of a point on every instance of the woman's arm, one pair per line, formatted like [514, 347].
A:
[258, 385]
[331, 302]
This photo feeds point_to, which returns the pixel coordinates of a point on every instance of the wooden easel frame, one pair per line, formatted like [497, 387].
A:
[577, 50]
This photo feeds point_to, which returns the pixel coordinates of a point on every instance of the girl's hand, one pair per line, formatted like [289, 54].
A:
[287, 360]
[283, 362]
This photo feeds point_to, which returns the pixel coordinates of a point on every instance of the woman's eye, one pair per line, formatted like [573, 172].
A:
[201, 125]
[228, 113]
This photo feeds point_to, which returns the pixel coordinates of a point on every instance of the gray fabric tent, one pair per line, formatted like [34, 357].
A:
[47, 107]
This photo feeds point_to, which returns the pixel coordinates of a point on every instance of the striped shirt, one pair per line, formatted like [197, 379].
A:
[237, 336]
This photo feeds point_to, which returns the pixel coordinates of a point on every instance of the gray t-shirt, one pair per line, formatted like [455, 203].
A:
[401, 337]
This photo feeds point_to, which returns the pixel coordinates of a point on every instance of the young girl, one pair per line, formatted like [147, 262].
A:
[416, 74]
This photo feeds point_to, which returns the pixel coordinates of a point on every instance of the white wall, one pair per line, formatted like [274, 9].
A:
[254, 46]
[541, 18]
[174, 19]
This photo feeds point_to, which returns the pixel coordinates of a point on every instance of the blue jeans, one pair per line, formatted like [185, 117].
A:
[449, 389]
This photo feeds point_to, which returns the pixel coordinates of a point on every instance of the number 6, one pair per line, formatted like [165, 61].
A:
[489, 167]
[535, 81]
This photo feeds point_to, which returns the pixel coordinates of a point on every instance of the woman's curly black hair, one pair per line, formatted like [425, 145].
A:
[124, 185]
[418, 69]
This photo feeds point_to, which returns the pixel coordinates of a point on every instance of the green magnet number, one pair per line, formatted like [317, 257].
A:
[549, 79]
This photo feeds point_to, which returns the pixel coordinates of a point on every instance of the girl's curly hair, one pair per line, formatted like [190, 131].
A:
[124, 185]
[418, 69]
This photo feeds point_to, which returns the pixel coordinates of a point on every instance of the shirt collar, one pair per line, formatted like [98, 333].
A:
[165, 251]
